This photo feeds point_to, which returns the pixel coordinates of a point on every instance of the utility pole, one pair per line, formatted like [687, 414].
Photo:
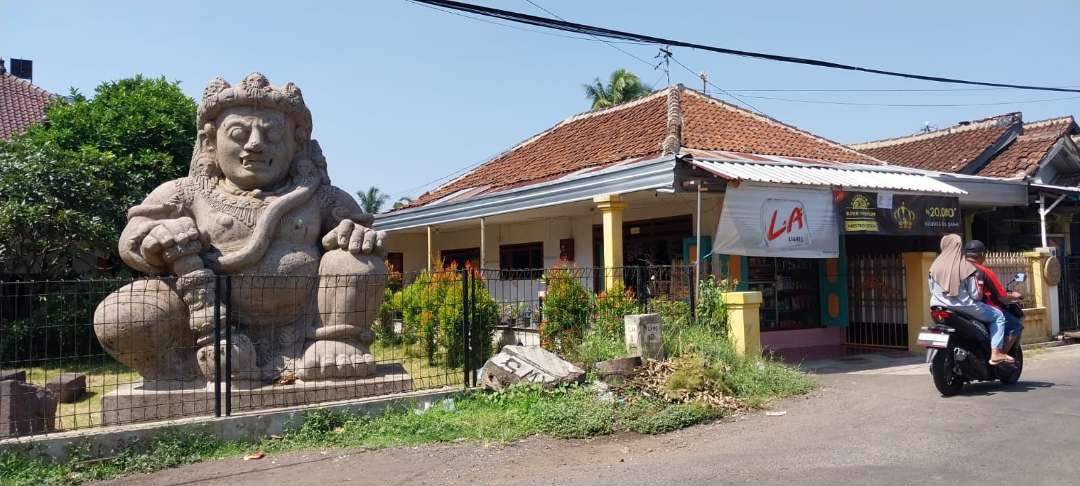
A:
[665, 60]
[704, 82]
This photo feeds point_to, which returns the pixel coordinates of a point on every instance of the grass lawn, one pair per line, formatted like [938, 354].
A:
[105, 375]
[101, 377]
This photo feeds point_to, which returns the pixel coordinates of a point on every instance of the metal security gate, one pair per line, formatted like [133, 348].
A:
[1069, 293]
[878, 301]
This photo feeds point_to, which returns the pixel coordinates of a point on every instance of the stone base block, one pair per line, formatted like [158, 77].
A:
[68, 387]
[25, 409]
[134, 403]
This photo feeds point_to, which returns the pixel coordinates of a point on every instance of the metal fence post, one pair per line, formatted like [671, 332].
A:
[228, 345]
[642, 288]
[464, 328]
[217, 346]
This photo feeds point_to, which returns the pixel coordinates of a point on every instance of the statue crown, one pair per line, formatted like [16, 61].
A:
[254, 90]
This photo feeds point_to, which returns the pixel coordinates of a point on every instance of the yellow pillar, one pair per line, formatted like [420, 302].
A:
[744, 322]
[1036, 262]
[916, 272]
[969, 223]
[430, 252]
[612, 206]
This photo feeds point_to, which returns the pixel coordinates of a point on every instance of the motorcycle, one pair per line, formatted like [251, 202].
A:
[958, 348]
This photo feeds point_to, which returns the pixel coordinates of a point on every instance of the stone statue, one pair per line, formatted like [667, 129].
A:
[307, 269]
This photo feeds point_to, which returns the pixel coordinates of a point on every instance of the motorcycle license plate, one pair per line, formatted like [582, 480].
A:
[933, 340]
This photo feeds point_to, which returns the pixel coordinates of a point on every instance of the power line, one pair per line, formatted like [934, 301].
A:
[515, 27]
[911, 105]
[612, 44]
[565, 26]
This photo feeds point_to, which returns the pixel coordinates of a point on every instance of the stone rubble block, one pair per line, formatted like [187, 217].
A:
[528, 364]
[68, 387]
[25, 409]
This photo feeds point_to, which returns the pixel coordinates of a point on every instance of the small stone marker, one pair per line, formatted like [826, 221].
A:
[17, 375]
[68, 387]
[25, 409]
[529, 364]
[616, 371]
[643, 336]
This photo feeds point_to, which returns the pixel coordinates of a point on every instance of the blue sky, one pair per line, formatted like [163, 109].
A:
[403, 95]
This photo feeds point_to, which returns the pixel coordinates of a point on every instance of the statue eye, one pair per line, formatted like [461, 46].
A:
[238, 133]
[275, 134]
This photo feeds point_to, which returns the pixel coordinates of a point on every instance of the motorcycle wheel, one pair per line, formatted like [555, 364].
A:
[1013, 376]
[947, 382]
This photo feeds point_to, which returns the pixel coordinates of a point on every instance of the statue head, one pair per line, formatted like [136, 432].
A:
[254, 135]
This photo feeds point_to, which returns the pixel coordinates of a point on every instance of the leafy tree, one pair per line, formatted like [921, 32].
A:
[65, 185]
[402, 202]
[372, 199]
[622, 86]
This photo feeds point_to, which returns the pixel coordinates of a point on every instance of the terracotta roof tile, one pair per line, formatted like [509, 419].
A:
[1022, 157]
[710, 124]
[637, 130]
[21, 104]
[948, 150]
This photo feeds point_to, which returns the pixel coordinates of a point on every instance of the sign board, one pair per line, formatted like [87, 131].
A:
[788, 222]
[897, 214]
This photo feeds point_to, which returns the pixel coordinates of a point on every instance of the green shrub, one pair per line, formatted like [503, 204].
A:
[567, 308]
[598, 346]
[432, 314]
[388, 311]
[711, 310]
[610, 309]
[652, 416]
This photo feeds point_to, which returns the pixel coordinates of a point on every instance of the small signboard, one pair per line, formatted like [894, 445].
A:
[902, 214]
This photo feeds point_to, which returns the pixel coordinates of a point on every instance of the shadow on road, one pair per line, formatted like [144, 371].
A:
[993, 388]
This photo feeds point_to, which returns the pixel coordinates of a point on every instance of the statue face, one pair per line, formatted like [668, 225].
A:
[254, 146]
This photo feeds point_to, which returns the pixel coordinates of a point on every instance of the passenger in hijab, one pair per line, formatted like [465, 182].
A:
[950, 268]
[954, 285]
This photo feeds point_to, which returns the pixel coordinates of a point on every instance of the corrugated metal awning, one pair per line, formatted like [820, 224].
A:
[833, 175]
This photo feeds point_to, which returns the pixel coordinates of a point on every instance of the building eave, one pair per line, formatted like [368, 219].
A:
[651, 174]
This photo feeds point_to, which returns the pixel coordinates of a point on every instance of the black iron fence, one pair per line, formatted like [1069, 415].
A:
[878, 301]
[90, 353]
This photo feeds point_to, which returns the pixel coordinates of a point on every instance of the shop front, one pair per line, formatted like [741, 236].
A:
[828, 261]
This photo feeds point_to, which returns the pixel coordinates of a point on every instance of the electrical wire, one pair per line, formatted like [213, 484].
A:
[565, 26]
[515, 27]
[911, 105]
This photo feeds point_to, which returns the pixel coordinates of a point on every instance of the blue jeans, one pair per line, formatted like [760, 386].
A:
[994, 318]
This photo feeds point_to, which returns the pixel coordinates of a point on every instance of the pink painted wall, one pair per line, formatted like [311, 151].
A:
[801, 338]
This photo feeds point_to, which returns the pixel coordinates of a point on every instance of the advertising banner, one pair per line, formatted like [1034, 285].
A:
[780, 222]
[897, 214]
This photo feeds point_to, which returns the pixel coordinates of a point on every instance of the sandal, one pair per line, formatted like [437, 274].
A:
[1006, 359]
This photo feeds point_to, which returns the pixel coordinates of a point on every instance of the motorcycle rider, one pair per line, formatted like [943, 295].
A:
[953, 284]
[993, 292]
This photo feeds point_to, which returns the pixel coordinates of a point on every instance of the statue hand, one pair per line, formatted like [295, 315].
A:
[355, 238]
[170, 240]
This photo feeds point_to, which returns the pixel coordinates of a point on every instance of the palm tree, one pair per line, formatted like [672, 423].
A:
[372, 200]
[622, 87]
[402, 202]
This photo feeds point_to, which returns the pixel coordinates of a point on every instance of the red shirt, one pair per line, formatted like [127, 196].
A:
[992, 293]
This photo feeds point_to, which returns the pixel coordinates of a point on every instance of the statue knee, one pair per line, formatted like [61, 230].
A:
[144, 325]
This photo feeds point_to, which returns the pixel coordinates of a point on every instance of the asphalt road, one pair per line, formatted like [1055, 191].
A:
[872, 422]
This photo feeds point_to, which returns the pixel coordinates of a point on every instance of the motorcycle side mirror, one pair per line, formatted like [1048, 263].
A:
[1020, 277]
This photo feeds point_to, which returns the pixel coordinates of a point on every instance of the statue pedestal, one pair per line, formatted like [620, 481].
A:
[132, 403]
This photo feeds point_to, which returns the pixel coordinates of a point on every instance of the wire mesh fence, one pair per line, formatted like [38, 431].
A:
[1006, 265]
[89, 353]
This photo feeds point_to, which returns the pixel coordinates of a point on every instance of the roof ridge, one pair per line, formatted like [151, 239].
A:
[773, 121]
[28, 84]
[964, 126]
[1048, 121]
[563, 122]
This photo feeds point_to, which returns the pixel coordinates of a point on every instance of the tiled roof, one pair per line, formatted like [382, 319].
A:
[637, 130]
[1021, 158]
[948, 150]
[21, 104]
[956, 147]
